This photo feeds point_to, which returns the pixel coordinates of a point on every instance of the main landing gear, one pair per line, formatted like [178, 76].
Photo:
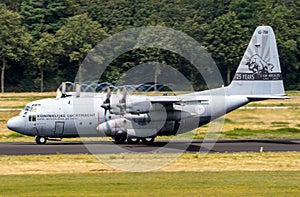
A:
[119, 139]
[41, 139]
[148, 140]
[133, 140]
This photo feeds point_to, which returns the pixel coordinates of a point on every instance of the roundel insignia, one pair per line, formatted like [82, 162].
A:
[200, 109]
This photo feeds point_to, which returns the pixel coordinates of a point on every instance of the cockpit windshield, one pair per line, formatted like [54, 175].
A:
[30, 108]
[35, 108]
[27, 108]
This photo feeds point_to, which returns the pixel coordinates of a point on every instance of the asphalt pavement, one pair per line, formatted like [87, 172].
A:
[161, 146]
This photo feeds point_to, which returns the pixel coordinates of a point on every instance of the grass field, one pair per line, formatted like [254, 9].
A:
[230, 174]
[154, 184]
[83, 163]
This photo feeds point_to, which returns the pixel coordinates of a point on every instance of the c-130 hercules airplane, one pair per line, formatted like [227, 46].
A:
[136, 118]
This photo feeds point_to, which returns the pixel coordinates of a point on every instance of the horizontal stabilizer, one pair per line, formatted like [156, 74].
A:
[264, 97]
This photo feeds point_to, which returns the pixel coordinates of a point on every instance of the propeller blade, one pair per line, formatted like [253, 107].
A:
[108, 95]
[63, 90]
[58, 93]
[106, 103]
[124, 95]
[77, 90]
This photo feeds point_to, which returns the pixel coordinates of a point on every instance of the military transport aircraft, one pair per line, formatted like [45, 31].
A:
[138, 118]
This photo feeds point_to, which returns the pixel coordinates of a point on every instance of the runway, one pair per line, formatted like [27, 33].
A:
[162, 146]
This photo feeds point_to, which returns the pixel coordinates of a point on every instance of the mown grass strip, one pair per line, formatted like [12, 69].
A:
[195, 162]
[241, 133]
[154, 184]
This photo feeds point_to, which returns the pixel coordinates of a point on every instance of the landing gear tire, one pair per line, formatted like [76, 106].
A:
[119, 139]
[133, 140]
[41, 139]
[148, 140]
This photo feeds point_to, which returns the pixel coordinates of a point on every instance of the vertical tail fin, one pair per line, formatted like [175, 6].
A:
[259, 72]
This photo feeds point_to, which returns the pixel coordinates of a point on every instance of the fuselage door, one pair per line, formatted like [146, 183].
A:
[59, 128]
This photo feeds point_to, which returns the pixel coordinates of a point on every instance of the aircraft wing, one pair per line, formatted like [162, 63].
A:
[168, 101]
[164, 99]
[140, 103]
[176, 99]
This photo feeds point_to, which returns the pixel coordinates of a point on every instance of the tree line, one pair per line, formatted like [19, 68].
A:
[43, 43]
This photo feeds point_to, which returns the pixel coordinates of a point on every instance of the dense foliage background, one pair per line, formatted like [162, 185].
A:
[42, 43]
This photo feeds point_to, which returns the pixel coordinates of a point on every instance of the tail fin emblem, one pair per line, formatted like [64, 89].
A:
[259, 66]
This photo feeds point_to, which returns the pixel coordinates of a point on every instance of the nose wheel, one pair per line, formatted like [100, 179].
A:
[41, 139]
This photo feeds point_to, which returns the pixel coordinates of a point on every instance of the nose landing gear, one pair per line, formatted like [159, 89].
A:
[41, 139]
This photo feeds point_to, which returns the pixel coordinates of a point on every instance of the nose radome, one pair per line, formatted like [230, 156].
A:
[16, 124]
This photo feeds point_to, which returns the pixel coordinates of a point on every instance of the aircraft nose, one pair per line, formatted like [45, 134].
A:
[16, 124]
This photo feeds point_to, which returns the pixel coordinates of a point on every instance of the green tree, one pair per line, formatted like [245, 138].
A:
[44, 55]
[226, 41]
[208, 21]
[211, 9]
[43, 16]
[13, 39]
[78, 36]
[114, 15]
[12, 4]
[248, 11]
[286, 24]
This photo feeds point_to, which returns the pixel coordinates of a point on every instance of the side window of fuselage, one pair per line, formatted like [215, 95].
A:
[32, 118]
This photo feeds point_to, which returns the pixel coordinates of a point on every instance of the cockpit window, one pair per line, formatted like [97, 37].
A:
[30, 108]
[36, 108]
[27, 108]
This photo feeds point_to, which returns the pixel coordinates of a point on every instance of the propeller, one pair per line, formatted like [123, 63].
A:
[63, 90]
[122, 101]
[106, 103]
[58, 93]
[117, 107]
[108, 94]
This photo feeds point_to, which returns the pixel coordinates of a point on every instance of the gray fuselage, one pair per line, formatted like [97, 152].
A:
[83, 116]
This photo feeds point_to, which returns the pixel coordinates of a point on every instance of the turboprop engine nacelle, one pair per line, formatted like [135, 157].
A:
[138, 107]
[111, 127]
